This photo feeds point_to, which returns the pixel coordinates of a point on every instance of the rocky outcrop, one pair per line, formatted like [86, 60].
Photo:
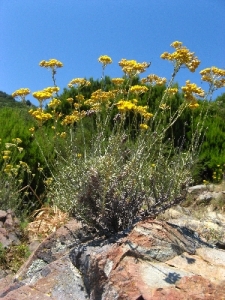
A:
[9, 233]
[181, 255]
[155, 260]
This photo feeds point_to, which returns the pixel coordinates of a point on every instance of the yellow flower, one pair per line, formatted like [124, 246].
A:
[23, 164]
[124, 106]
[6, 152]
[8, 145]
[138, 89]
[215, 76]
[144, 126]
[105, 60]
[193, 105]
[74, 117]
[48, 181]
[182, 57]
[153, 79]
[80, 98]
[132, 67]
[32, 129]
[17, 141]
[21, 92]
[42, 95]
[54, 103]
[79, 82]
[76, 105]
[99, 98]
[117, 81]
[6, 157]
[52, 63]
[40, 115]
[20, 149]
[63, 135]
[70, 100]
[191, 90]
[171, 91]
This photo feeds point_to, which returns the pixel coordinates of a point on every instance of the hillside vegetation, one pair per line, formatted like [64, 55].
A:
[108, 150]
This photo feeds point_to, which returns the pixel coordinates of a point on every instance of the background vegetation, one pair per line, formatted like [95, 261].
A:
[15, 121]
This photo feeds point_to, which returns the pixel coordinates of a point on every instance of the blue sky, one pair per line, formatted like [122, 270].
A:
[77, 32]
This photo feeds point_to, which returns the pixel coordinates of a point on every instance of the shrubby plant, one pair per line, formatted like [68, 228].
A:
[114, 162]
[12, 175]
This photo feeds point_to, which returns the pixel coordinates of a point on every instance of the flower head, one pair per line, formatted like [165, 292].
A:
[79, 82]
[117, 81]
[144, 126]
[182, 56]
[52, 63]
[132, 67]
[153, 79]
[138, 89]
[214, 76]
[105, 60]
[22, 93]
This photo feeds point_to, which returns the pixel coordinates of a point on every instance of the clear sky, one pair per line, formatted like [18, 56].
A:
[77, 32]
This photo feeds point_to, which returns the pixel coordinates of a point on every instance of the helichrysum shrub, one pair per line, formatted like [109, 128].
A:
[127, 168]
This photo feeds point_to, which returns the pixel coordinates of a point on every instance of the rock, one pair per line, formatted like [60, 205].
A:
[9, 224]
[9, 229]
[3, 215]
[197, 189]
[205, 197]
[155, 260]
[181, 258]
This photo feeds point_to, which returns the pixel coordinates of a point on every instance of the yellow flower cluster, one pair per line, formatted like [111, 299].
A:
[191, 90]
[144, 126]
[52, 63]
[70, 100]
[42, 95]
[154, 80]
[124, 106]
[132, 67]
[21, 92]
[17, 141]
[51, 89]
[142, 110]
[74, 117]
[45, 93]
[32, 129]
[214, 75]
[40, 115]
[48, 181]
[138, 89]
[63, 135]
[100, 97]
[6, 154]
[193, 105]
[117, 81]
[182, 57]
[80, 98]
[171, 91]
[105, 60]
[54, 103]
[79, 82]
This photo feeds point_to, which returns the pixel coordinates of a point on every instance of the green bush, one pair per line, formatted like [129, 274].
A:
[113, 155]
